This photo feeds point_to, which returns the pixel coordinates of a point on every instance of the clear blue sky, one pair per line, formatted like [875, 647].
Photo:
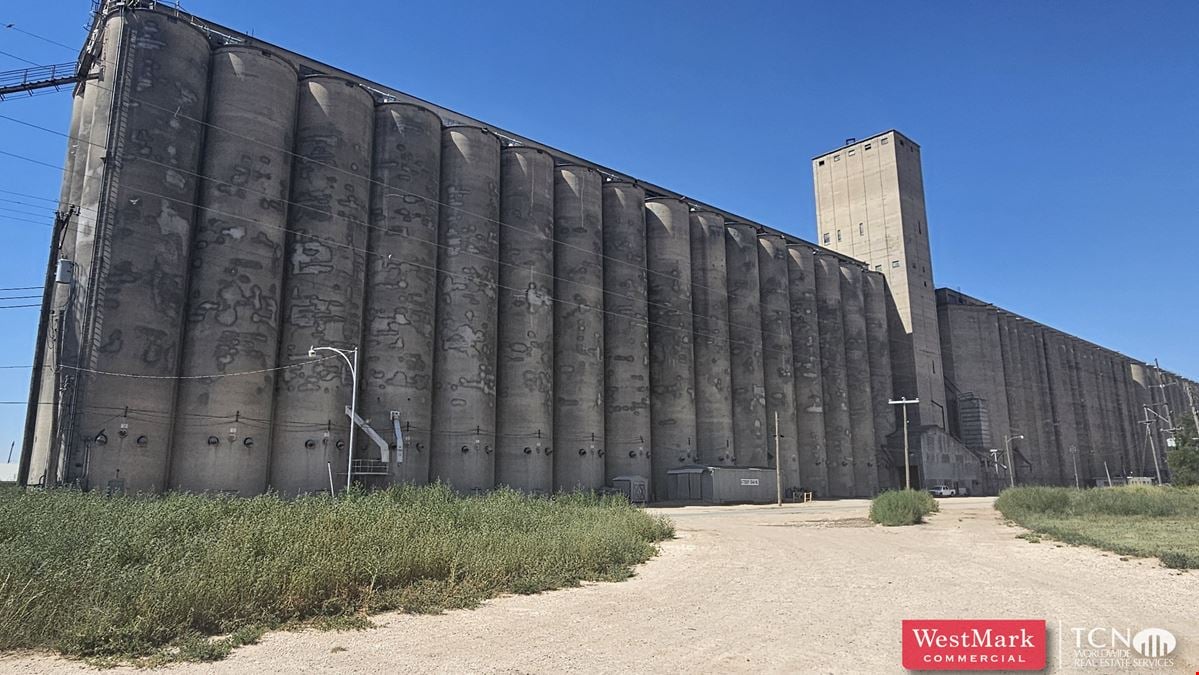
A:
[1061, 158]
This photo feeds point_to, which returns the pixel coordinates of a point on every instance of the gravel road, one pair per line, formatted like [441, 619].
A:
[802, 588]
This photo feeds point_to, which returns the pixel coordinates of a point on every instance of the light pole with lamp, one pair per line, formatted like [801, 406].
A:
[1011, 468]
[907, 469]
[353, 364]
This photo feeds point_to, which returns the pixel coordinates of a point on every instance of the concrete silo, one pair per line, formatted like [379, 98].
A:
[42, 420]
[525, 356]
[578, 329]
[627, 425]
[463, 446]
[710, 302]
[857, 372]
[325, 273]
[838, 436]
[135, 295]
[745, 346]
[777, 358]
[671, 357]
[401, 288]
[809, 392]
[223, 441]
[878, 347]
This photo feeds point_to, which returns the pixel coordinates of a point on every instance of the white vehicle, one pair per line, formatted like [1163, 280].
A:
[942, 491]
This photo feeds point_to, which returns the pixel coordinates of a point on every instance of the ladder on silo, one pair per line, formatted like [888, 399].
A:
[35, 78]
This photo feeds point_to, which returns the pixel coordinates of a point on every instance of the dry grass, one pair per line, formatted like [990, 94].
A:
[156, 577]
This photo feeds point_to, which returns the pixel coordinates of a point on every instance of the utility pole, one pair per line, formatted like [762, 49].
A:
[907, 464]
[778, 472]
[1152, 446]
[1194, 413]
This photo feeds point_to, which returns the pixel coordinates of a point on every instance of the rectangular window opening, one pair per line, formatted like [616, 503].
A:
[894, 264]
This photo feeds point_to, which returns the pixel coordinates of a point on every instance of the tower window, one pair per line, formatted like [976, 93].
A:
[838, 235]
[836, 158]
[826, 237]
[878, 268]
[822, 162]
[851, 151]
[894, 263]
[867, 147]
[884, 141]
[862, 228]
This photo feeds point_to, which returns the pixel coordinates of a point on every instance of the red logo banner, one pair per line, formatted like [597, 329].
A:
[974, 644]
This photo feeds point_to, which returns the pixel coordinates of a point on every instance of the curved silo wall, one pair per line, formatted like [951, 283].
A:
[463, 449]
[857, 372]
[627, 425]
[672, 358]
[809, 392]
[137, 290]
[578, 329]
[1061, 404]
[837, 432]
[40, 447]
[401, 287]
[878, 343]
[745, 346]
[222, 443]
[323, 283]
[710, 301]
[525, 356]
[1033, 446]
[777, 358]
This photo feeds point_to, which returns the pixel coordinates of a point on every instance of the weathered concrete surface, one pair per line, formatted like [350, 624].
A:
[857, 373]
[713, 377]
[578, 329]
[878, 343]
[524, 415]
[143, 245]
[837, 433]
[672, 357]
[778, 358]
[464, 358]
[627, 426]
[323, 283]
[401, 287]
[745, 338]
[236, 276]
[809, 394]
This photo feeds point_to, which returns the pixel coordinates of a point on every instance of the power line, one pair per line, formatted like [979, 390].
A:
[13, 26]
[19, 58]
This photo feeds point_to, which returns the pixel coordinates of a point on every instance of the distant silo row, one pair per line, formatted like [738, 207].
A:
[519, 321]
[1070, 411]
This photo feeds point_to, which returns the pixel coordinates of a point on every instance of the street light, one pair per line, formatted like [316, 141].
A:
[907, 469]
[353, 364]
[1011, 468]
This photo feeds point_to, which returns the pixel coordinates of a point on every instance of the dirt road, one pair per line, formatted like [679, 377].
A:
[811, 588]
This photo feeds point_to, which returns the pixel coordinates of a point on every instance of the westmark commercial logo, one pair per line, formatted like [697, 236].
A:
[960, 644]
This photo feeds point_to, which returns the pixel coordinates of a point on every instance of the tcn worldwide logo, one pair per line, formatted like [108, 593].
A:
[957, 644]
[1120, 648]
